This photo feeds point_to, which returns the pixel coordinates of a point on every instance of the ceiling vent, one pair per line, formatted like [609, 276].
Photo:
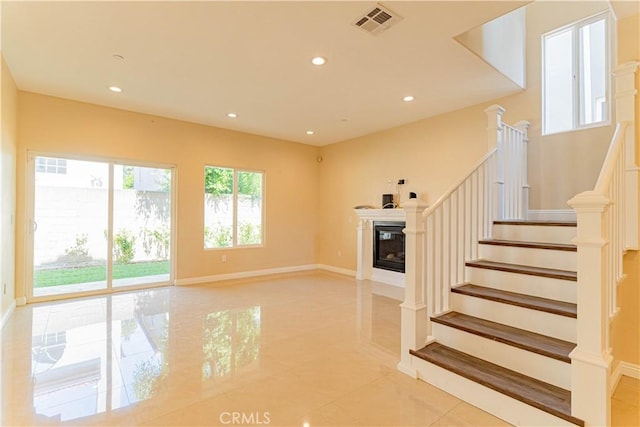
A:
[377, 20]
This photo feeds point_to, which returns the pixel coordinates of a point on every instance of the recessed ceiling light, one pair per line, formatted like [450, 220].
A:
[115, 89]
[319, 60]
[408, 98]
[232, 115]
[310, 132]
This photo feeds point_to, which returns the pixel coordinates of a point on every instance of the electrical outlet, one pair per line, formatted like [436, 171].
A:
[224, 258]
[339, 253]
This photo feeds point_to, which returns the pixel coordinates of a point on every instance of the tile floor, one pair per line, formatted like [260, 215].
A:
[313, 349]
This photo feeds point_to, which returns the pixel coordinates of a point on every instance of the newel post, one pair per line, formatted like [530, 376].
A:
[591, 359]
[413, 318]
[494, 135]
[494, 119]
[625, 112]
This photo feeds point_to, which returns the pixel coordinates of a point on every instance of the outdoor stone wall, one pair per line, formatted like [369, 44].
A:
[64, 216]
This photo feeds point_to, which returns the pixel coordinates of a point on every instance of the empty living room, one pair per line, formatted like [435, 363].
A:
[320, 213]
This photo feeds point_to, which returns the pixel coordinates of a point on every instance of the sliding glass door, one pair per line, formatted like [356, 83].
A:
[98, 225]
[71, 200]
[141, 225]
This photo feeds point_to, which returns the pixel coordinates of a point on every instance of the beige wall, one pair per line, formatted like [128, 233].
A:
[8, 145]
[55, 125]
[434, 153]
[356, 172]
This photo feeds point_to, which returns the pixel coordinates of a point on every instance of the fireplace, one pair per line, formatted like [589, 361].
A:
[388, 246]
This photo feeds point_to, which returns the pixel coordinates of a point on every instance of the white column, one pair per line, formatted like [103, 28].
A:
[365, 254]
[414, 322]
[625, 112]
[523, 126]
[591, 359]
[494, 131]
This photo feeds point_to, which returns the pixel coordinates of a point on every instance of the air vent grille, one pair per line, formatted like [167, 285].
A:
[377, 20]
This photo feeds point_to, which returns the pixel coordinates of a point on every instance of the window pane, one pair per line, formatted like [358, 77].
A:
[141, 225]
[218, 207]
[558, 82]
[249, 208]
[69, 245]
[593, 107]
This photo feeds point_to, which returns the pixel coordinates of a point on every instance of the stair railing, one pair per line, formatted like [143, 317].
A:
[440, 239]
[607, 226]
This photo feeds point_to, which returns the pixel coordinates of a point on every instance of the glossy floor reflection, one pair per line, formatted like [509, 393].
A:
[315, 348]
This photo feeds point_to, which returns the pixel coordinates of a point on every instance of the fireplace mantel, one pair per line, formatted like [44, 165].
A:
[365, 269]
[393, 215]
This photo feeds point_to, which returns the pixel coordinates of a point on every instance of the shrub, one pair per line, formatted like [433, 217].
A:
[250, 234]
[156, 241]
[78, 252]
[124, 247]
[218, 237]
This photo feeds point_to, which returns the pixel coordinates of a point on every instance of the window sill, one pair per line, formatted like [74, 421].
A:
[229, 248]
[589, 127]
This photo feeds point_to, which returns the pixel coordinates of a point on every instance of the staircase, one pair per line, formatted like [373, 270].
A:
[515, 316]
[513, 324]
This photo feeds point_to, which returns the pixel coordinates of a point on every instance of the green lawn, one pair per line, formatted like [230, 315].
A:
[69, 276]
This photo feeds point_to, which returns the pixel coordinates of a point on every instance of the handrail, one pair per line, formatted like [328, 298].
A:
[606, 173]
[458, 183]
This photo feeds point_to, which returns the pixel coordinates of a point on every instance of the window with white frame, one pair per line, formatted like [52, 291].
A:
[51, 165]
[233, 213]
[575, 72]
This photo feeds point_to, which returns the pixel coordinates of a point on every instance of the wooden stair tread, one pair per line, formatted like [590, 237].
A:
[560, 308]
[532, 245]
[539, 223]
[546, 397]
[525, 269]
[520, 338]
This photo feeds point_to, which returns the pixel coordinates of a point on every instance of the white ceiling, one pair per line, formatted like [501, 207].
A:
[196, 61]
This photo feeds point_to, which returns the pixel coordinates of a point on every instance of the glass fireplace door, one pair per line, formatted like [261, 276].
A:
[388, 248]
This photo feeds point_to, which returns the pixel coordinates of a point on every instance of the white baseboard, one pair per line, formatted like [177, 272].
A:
[265, 272]
[339, 270]
[626, 369]
[389, 277]
[551, 215]
[8, 314]
[244, 274]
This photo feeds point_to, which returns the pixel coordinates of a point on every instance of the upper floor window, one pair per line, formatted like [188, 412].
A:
[51, 165]
[232, 207]
[575, 73]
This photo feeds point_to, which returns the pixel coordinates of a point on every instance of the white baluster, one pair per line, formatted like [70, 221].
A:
[461, 231]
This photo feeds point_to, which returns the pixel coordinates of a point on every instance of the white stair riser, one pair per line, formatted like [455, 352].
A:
[540, 322]
[534, 233]
[543, 287]
[497, 404]
[545, 258]
[526, 362]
